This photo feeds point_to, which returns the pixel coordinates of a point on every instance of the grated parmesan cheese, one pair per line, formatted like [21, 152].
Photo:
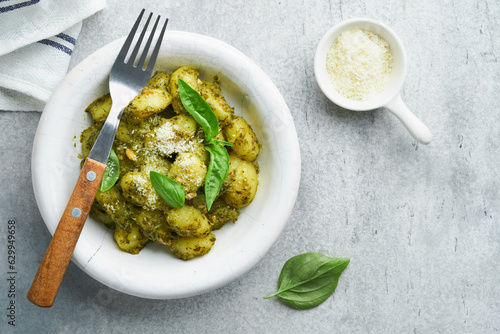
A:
[187, 161]
[359, 63]
[145, 189]
[189, 164]
[168, 142]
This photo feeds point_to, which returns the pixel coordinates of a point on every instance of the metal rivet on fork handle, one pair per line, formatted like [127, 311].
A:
[91, 176]
[76, 212]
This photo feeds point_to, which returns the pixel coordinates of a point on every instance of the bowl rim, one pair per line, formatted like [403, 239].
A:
[323, 80]
[278, 118]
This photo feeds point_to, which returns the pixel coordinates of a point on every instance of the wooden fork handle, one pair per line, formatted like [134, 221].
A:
[49, 276]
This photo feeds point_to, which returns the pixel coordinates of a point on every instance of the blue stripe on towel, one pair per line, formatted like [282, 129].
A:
[67, 38]
[18, 5]
[56, 45]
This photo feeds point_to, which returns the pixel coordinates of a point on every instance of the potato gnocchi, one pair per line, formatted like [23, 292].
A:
[156, 133]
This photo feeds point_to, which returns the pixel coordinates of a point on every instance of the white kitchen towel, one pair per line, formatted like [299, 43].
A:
[36, 42]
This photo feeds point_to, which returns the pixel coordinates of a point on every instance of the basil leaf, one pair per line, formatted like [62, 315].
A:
[223, 142]
[308, 279]
[216, 172]
[112, 172]
[169, 190]
[199, 109]
[219, 158]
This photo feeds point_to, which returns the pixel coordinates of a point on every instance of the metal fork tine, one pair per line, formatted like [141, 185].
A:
[152, 59]
[140, 64]
[126, 46]
[139, 41]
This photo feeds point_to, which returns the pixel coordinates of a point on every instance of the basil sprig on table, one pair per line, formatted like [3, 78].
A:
[112, 172]
[218, 166]
[169, 190]
[308, 279]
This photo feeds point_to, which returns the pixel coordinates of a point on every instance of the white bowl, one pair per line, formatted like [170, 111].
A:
[390, 98]
[155, 273]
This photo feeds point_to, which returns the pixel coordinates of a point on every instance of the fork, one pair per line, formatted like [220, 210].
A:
[126, 80]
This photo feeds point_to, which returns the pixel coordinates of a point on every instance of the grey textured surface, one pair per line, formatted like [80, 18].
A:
[419, 223]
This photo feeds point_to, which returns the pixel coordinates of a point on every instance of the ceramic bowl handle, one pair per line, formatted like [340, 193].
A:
[414, 126]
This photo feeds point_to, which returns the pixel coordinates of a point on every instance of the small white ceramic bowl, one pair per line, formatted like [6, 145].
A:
[390, 98]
